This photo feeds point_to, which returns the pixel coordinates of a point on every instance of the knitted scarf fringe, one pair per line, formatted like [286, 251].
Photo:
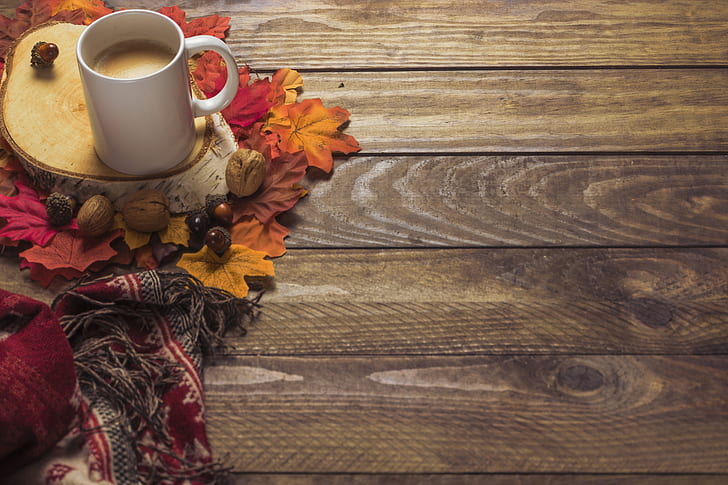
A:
[111, 367]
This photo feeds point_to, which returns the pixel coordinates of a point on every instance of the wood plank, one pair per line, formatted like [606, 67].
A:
[516, 414]
[383, 34]
[535, 111]
[425, 201]
[539, 301]
[474, 479]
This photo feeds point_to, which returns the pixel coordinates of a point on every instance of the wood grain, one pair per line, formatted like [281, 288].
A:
[539, 301]
[426, 201]
[526, 414]
[515, 111]
[476, 479]
[385, 34]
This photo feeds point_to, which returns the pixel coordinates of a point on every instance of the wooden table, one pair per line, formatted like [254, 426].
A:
[523, 276]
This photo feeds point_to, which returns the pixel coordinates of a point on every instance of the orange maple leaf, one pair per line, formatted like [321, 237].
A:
[285, 84]
[254, 234]
[311, 127]
[229, 270]
[92, 9]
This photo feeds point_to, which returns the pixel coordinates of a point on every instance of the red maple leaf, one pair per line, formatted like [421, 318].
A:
[26, 218]
[251, 100]
[211, 25]
[71, 250]
[39, 273]
[208, 69]
[279, 191]
[30, 14]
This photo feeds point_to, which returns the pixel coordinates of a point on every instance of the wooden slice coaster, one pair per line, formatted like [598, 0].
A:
[45, 121]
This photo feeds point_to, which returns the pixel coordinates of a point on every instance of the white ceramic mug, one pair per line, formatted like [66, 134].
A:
[145, 125]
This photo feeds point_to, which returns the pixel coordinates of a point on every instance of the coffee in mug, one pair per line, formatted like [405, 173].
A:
[136, 83]
[132, 58]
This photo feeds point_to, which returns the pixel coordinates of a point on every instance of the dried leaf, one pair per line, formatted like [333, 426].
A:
[177, 232]
[7, 183]
[209, 68]
[211, 25]
[42, 275]
[311, 127]
[26, 218]
[285, 84]
[229, 270]
[92, 9]
[30, 14]
[267, 238]
[250, 103]
[144, 258]
[277, 194]
[71, 250]
[134, 239]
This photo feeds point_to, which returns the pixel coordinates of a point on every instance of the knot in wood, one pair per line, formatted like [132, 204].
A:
[580, 378]
[651, 312]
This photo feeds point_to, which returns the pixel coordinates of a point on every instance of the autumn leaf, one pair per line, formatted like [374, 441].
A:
[71, 250]
[177, 232]
[268, 238]
[229, 270]
[311, 127]
[26, 218]
[277, 194]
[30, 14]
[285, 84]
[250, 102]
[209, 67]
[42, 275]
[134, 239]
[92, 9]
[210, 25]
[7, 183]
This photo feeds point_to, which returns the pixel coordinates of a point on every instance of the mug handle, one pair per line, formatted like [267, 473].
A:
[203, 107]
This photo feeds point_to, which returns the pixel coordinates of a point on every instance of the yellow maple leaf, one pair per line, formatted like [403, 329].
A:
[229, 270]
[133, 239]
[176, 232]
[92, 9]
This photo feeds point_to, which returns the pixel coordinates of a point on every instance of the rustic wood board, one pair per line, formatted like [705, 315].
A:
[476, 479]
[513, 414]
[476, 200]
[653, 110]
[560, 169]
[45, 120]
[398, 34]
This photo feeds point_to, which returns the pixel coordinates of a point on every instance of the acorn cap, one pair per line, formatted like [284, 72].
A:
[212, 201]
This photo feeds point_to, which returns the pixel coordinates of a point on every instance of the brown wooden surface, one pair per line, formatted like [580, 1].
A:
[523, 277]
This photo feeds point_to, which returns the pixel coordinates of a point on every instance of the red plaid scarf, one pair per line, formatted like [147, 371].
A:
[137, 341]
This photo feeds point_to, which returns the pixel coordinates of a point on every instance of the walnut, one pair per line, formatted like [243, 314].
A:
[95, 216]
[245, 172]
[146, 211]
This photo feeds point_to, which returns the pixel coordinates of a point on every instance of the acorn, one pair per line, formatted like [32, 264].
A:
[245, 172]
[95, 216]
[59, 208]
[146, 211]
[198, 222]
[214, 200]
[218, 239]
[223, 214]
[43, 54]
